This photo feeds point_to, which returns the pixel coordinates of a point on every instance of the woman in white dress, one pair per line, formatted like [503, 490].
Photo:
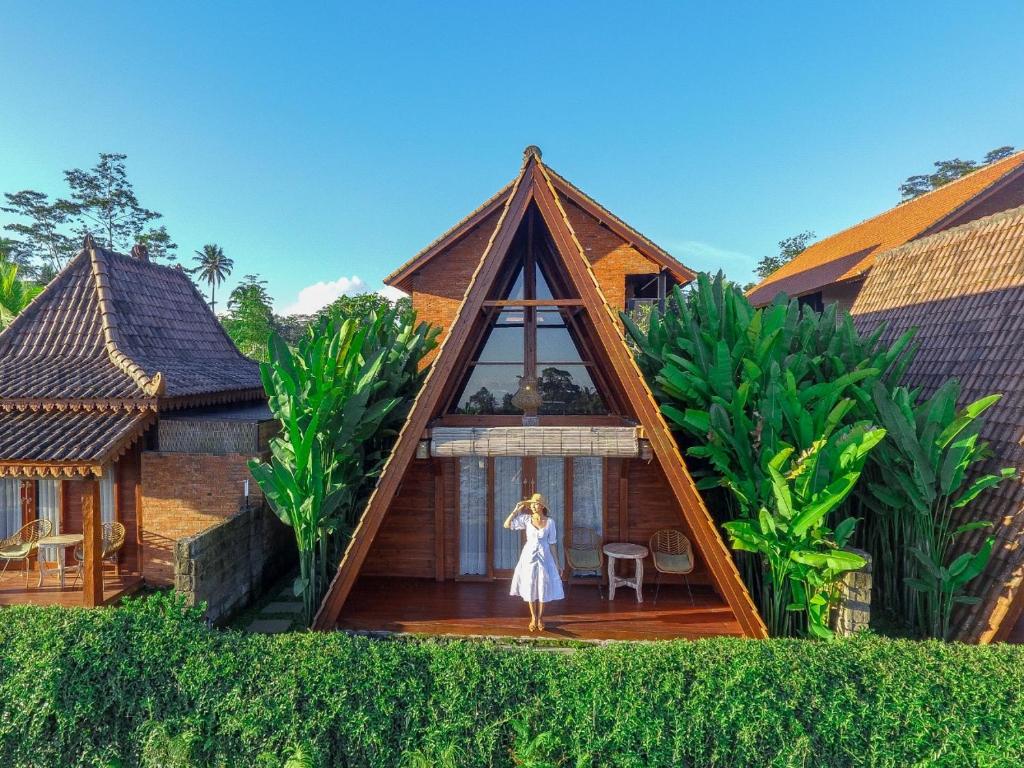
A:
[536, 578]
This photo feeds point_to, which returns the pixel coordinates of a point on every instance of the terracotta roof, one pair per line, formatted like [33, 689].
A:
[399, 278]
[111, 340]
[963, 289]
[848, 255]
[66, 442]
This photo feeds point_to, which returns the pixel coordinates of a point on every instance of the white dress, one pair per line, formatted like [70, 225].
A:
[536, 576]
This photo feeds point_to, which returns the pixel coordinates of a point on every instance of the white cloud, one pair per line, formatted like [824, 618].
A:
[705, 257]
[315, 297]
[391, 293]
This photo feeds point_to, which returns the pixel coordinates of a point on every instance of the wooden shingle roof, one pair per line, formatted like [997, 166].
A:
[849, 254]
[963, 289]
[111, 338]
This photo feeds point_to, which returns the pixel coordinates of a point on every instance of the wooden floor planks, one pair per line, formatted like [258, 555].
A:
[485, 608]
[13, 590]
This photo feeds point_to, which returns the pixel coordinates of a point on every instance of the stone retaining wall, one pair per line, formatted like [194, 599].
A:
[854, 610]
[230, 563]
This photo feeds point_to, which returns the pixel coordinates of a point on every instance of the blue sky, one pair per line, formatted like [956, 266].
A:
[323, 143]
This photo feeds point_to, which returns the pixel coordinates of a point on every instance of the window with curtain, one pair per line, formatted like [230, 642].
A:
[472, 516]
[508, 491]
[107, 504]
[588, 493]
[551, 483]
[48, 508]
[10, 506]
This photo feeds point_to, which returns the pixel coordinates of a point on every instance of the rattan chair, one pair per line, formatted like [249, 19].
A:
[113, 535]
[22, 544]
[672, 554]
[583, 554]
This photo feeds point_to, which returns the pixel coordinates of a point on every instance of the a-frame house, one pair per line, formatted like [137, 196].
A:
[533, 388]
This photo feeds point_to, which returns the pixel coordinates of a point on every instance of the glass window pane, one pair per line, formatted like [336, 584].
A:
[555, 345]
[10, 506]
[518, 290]
[473, 516]
[504, 345]
[588, 494]
[543, 290]
[489, 390]
[568, 390]
[508, 490]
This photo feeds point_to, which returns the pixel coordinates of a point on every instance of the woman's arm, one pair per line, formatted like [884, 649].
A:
[554, 557]
[512, 514]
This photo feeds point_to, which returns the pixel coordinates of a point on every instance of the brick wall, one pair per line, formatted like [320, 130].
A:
[183, 494]
[227, 565]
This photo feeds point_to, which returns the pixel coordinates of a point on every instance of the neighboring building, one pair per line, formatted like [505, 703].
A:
[963, 289]
[533, 389]
[832, 270]
[117, 383]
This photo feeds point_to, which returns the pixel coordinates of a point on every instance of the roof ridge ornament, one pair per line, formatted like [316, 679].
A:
[88, 243]
[534, 150]
[140, 252]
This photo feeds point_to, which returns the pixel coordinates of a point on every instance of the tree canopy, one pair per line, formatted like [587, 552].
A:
[947, 171]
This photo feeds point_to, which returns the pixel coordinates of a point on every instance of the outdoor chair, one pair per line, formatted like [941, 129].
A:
[22, 544]
[583, 555]
[672, 554]
[113, 535]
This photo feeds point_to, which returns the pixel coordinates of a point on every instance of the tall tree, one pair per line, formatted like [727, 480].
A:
[947, 171]
[250, 318]
[789, 249]
[42, 234]
[214, 267]
[103, 202]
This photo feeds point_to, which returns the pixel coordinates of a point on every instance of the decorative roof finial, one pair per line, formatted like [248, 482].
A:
[140, 252]
[88, 244]
[534, 150]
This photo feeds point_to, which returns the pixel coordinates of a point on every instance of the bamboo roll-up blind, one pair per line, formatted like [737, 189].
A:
[535, 441]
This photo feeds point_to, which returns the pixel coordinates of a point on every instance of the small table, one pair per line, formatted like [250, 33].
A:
[620, 551]
[60, 542]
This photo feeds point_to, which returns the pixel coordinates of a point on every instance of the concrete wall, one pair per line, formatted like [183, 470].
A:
[227, 565]
[183, 494]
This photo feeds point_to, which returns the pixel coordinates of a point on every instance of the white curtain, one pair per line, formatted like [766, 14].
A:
[10, 506]
[588, 493]
[48, 508]
[472, 517]
[551, 483]
[508, 489]
[107, 506]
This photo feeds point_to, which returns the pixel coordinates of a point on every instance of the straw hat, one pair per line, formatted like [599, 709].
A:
[537, 498]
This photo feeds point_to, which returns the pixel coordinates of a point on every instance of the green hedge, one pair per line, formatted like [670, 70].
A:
[148, 684]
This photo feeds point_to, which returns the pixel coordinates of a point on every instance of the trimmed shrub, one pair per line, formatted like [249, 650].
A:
[148, 684]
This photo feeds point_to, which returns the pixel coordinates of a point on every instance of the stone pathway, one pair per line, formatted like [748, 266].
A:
[283, 614]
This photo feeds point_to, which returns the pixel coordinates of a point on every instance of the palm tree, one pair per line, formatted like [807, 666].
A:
[15, 294]
[213, 267]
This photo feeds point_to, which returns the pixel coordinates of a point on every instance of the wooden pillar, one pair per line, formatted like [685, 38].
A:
[438, 519]
[92, 545]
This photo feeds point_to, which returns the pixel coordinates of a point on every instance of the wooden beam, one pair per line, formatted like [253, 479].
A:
[426, 401]
[438, 520]
[92, 545]
[533, 303]
[663, 443]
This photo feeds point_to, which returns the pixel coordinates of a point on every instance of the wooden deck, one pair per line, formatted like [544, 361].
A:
[13, 590]
[485, 608]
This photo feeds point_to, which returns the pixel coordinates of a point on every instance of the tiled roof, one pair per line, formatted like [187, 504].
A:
[111, 340]
[116, 327]
[963, 289]
[849, 254]
[66, 442]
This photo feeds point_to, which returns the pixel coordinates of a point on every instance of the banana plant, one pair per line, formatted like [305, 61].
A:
[15, 294]
[924, 478]
[804, 557]
[340, 396]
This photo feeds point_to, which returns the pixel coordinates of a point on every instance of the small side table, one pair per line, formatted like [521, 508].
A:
[620, 551]
[60, 543]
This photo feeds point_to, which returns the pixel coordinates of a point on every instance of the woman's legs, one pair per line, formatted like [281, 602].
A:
[540, 616]
[533, 615]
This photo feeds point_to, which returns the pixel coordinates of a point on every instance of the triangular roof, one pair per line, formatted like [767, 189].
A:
[536, 185]
[400, 277]
[849, 254]
[963, 289]
[110, 334]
